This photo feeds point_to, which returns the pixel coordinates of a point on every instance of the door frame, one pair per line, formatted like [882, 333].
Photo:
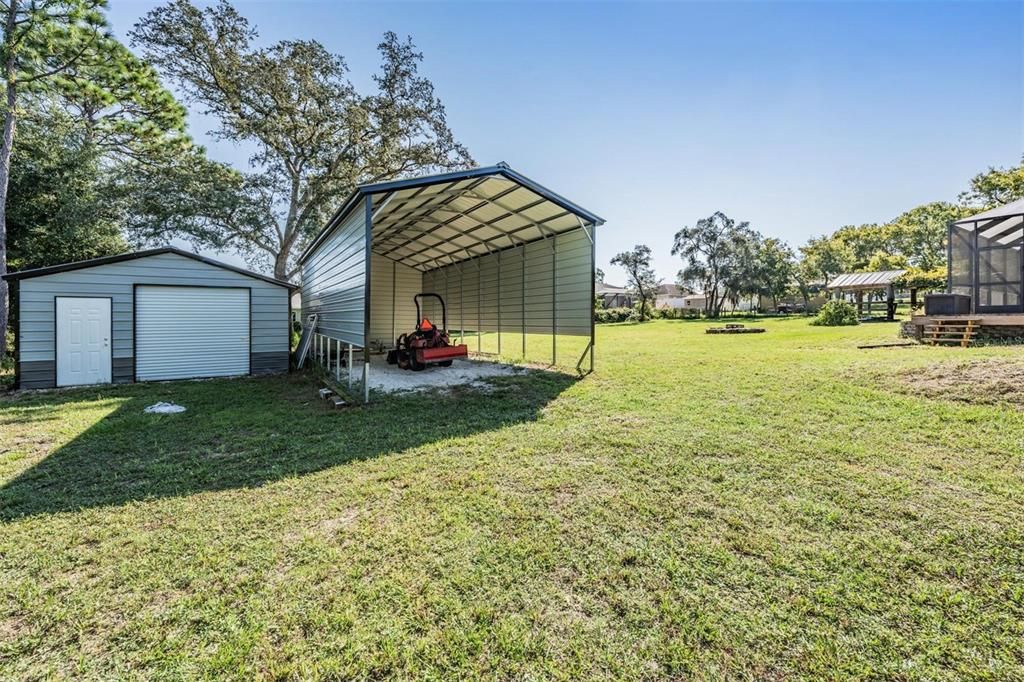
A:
[56, 346]
[997, 309]
[135, 318]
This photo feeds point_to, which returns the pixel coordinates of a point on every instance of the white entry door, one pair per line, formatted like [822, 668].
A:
[83, 341]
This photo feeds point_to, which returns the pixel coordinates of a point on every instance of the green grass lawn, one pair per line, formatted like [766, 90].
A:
[771, 506]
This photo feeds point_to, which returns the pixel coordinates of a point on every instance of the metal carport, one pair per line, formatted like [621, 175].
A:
[513, 259]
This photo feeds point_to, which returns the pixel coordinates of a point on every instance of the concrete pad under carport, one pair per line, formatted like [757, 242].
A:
[393, 379]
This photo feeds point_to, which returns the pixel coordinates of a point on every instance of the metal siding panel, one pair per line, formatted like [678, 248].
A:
[392, 311]
[525, 297]
[433, 283]
[408, 283]
[334, 281]
[269, 363]
[512, 290]
[381, 291]
[538, 287]
[122, 370]
[489, 284]
[573, 284]
[37, 374]
[470, 295]
[189, 332]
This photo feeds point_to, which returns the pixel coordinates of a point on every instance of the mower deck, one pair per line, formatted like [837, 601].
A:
[430, 355]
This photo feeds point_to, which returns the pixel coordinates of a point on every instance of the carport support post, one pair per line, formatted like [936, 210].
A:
[593, 288]
[522, 301]
[499, 303]
[554, 300]
[366, 299]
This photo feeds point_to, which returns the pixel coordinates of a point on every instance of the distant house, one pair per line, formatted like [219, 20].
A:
[697, 302]
[671, 296]
[614, 297]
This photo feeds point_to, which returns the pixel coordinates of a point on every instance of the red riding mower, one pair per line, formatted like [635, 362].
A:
[428, 345]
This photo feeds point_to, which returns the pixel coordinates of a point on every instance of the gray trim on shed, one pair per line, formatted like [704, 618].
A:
[116, 278]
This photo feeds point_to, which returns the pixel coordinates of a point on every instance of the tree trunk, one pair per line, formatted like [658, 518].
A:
[281, 263]
[5, 166]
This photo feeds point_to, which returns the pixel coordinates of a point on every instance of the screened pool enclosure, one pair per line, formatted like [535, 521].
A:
[985, 259]
[513, 260]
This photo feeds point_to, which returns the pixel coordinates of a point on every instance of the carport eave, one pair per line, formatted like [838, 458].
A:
[501, 169]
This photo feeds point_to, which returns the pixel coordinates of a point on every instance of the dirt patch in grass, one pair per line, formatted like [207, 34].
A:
[994, 381]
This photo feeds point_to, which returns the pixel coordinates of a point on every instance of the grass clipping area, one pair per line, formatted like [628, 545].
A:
[770, 506]
[990, 381]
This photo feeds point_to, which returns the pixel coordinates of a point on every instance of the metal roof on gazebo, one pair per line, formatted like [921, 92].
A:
[854, 281]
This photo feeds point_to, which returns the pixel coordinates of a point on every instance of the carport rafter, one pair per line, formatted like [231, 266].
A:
[395, 223]
[488, 224]
[445, 223]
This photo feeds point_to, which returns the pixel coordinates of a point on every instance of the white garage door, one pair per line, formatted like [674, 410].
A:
[188, 332]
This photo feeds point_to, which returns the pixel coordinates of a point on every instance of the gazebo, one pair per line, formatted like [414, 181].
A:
[857, 283]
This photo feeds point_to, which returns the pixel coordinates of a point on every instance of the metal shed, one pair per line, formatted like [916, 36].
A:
[151, 315]
[513, 259]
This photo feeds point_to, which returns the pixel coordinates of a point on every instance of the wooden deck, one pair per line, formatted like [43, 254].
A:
[964, 330]
[983, 319]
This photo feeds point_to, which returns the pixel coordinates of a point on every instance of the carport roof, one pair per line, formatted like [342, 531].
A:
[435, 220]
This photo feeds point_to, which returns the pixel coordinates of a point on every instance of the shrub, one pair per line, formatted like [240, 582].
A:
[612, 315]
[836, 314]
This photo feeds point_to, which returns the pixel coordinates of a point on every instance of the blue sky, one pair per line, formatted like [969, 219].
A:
[799, 117]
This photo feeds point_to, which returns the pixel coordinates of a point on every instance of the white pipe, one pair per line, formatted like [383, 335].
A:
[366, 382]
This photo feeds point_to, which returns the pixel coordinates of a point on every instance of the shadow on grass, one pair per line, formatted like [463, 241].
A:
[243, 433]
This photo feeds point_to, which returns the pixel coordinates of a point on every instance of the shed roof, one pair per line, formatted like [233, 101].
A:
[436, 220]
[603, 288]
[851, 281]
[106, 260]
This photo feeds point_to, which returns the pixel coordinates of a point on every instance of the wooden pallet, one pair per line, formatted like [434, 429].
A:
[951, 332]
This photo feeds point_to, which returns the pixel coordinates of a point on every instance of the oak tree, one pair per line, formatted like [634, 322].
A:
[640, 277]
[314, 136]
